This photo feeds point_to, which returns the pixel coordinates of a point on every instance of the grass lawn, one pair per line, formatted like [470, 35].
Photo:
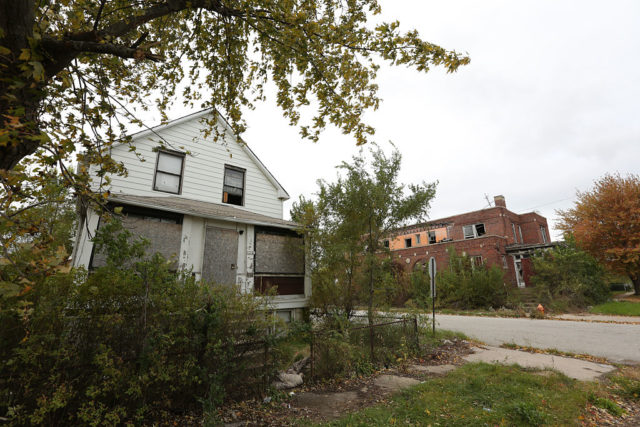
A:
[622, 308]
[482, 394]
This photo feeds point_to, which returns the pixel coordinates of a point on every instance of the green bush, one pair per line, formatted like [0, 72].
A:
[463, 285]
[128, 342]
[566, 275]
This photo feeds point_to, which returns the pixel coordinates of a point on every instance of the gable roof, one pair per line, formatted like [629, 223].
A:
[198, 116]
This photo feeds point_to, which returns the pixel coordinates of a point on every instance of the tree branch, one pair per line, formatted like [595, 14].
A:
[78, 46]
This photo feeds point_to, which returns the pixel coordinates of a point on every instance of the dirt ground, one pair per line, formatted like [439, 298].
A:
[328, 400]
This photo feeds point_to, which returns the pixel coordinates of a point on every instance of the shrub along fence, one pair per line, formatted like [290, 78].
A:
[359, 347]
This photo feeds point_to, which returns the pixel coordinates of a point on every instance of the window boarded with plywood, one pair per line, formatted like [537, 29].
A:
[163, 230]
[279, 251]
[220, 257]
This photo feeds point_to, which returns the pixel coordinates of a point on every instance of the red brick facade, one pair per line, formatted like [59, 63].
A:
[500, 237]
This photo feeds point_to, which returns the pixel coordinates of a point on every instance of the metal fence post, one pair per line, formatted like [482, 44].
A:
[415, 330]
[313, 356]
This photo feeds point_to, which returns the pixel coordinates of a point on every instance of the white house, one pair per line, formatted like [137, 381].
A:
[212, 206]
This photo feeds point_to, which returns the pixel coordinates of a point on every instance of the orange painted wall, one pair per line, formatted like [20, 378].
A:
[398, 241]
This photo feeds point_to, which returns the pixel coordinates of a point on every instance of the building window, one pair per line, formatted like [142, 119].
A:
[520, 231]
[233, 189]
[543, 232]
[417, 239]
[475, 230]
[515, 237]
[168, 176]
[385, 243]
[432, 237]
[504, 262]
[407, 243]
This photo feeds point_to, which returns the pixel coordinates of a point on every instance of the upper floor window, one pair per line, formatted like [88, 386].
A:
[233, 188]
[543, 232]
[385, 243]
[432, 237]
[474, 230]
[168, 176]
[417, 239]
[407, 243]
[515, 237]
[520, 231]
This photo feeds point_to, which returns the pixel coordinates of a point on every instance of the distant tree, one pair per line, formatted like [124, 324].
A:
[465, 285]
[567, 274]
[606, 223]
[349, 221]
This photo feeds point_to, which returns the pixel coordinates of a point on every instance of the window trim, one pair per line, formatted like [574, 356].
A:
[474, 228]
[244, 182]
[543, 231]
[181, 176]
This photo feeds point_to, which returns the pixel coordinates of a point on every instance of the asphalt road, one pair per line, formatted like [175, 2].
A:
[616, 342]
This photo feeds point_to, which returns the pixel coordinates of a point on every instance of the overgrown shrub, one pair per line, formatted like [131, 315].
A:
[126, 343]
[464, 285]
[566, 275]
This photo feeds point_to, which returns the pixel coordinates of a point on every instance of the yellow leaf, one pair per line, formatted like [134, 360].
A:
[427, 411]
[25, 55]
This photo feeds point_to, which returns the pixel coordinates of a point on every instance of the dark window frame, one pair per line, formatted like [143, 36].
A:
[181, 176]
[244, 183]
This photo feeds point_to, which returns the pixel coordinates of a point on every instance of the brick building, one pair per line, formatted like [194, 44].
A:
[495, 236]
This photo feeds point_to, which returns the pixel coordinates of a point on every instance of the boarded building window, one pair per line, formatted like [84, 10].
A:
[168, 177]
[233, 190]
[279, 261]
[163, 230]
[279, 251]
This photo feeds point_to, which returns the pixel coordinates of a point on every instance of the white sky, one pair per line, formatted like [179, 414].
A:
[549, 103]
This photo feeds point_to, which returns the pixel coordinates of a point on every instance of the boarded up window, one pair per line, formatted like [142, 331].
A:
[162, 231]
[279, 251]
[220, 259]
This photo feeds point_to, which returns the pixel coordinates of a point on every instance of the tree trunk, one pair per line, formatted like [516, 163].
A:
[20, 101]
[636, 284]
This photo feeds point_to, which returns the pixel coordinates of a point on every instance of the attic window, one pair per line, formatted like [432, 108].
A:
[474, 230]
[233, 189]
[169, 167]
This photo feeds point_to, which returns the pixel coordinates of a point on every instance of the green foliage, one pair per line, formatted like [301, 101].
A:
[345, 228]
[602, 402]
[343, 348]
[464, 285]
[478, 394]
[128, 342]
[567, 274]
[620, 308]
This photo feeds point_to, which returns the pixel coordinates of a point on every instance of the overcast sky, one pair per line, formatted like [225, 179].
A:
[549, 103]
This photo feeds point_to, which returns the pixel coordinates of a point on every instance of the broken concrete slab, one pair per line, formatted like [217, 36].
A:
[573, 368]
[394, 382]
[328, 405]
[433, 370]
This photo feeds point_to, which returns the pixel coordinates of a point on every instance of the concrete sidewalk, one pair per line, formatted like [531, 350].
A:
[599, 318]
[573, 368]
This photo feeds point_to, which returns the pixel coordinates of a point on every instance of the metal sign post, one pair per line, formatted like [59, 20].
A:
[432, 277]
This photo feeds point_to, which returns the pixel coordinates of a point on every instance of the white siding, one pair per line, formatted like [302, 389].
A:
[203, 168]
